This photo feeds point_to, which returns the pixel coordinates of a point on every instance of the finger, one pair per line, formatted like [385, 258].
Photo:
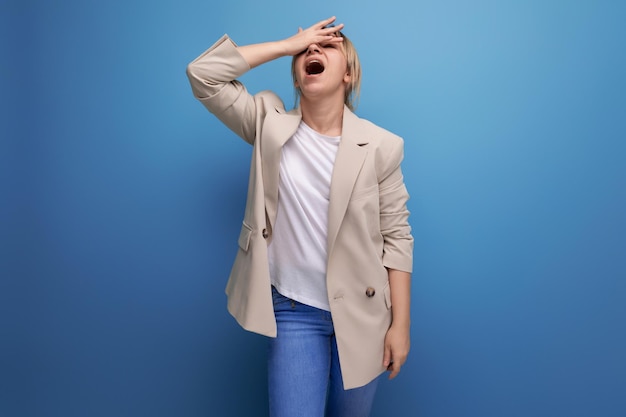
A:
[333, 39]
[322, 23]
[333, 29]
[332, 32]
[387, 356]
[328, 21]
[395, 370]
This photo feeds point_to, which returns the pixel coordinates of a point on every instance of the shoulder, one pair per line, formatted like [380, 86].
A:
[380, 135]
[371, 133]
[270, 101]
[388, 145]
[386, 148]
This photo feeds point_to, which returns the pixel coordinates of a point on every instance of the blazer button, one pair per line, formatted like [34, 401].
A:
[370, 292]
[265, 234]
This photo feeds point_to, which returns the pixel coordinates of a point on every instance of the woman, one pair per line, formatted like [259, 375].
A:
[325, 248]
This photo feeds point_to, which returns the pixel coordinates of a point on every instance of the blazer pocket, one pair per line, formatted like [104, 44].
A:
[364, 192]
[387, 294]
[244, 237]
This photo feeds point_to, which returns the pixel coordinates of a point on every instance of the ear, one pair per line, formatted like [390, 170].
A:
[347, 77]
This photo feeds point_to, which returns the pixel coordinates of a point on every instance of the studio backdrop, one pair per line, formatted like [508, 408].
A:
[122, 198]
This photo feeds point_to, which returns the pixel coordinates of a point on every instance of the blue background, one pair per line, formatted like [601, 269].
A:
[122, 199]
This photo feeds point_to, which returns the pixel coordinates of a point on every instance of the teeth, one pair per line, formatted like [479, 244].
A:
[314, 67]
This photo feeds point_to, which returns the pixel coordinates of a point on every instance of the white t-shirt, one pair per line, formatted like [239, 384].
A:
[298, 251]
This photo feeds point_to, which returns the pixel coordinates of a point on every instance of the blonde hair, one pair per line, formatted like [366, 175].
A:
[353, 89]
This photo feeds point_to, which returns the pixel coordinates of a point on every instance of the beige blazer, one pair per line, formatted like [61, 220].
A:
[368, 228]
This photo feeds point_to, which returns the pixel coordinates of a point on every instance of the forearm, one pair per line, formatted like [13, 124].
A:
[400, 286]
[260, 53]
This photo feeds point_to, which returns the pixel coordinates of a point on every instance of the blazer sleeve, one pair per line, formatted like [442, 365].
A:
[213, 78]
[394, 215]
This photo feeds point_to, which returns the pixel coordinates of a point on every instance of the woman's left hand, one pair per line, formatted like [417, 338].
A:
[397, 345]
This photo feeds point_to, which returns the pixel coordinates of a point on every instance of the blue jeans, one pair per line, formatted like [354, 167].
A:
[303, 366]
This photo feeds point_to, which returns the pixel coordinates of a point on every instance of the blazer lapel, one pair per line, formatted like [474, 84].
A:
[277, 129]
[348, 162]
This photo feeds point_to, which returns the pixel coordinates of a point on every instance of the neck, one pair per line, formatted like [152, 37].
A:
[323, 117]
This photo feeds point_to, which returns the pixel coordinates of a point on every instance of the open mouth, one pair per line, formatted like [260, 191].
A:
[314, 67]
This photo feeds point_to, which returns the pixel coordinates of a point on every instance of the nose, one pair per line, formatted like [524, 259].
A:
[313, 48]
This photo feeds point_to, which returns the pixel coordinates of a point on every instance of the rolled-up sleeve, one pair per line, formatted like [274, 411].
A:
[213, 81]
[394, 215]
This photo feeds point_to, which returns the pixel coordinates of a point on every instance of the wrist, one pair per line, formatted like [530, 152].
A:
[283, 47]
[401, 324]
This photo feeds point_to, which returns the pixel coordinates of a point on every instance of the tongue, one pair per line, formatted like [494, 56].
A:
[314, 67]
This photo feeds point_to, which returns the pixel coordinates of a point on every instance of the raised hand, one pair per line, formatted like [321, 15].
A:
[260, 53]
[318, 33]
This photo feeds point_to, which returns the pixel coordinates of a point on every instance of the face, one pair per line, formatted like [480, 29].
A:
[321, 71]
